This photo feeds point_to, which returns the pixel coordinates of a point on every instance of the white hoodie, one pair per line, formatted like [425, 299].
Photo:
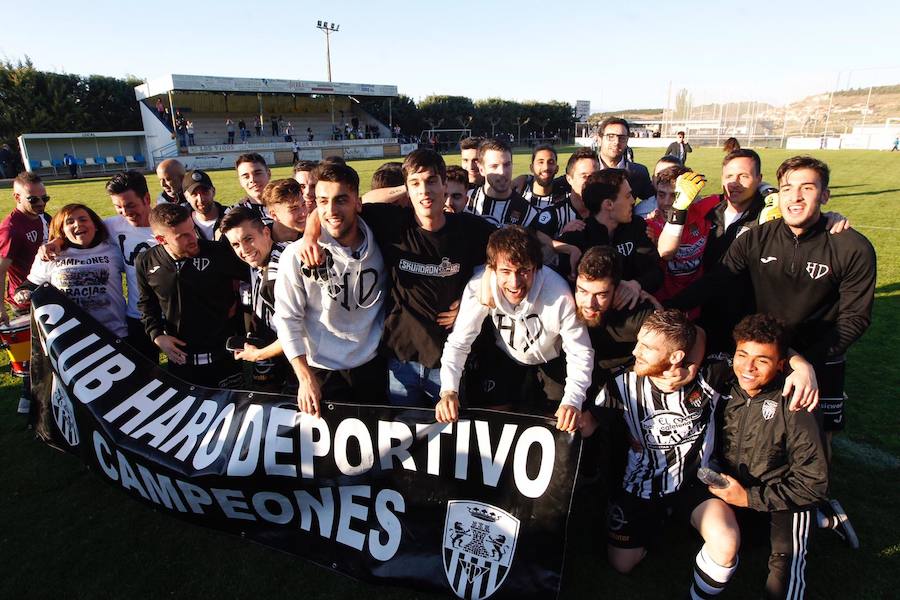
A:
[333, 314]
[532, 333]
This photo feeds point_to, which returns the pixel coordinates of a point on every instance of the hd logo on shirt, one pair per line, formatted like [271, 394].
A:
[817, 270]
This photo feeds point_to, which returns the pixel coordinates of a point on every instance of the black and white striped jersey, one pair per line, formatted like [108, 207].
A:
[262, 295]
[552, 219]
[515, 210]
[259, 210]
[672, 428]
[541, 202]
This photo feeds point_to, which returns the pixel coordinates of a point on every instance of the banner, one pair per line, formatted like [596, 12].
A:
[476, 508]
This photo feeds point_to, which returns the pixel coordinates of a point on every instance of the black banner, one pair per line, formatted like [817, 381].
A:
[477, 508]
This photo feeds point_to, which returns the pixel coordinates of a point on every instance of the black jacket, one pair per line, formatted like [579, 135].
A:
[776, 454]
[638, 178]
[192, 299]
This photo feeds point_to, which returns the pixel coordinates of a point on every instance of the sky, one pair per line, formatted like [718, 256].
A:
[627, 56]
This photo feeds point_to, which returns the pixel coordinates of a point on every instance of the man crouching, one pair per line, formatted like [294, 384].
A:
[540, 353]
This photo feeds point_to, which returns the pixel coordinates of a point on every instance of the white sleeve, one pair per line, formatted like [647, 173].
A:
[41, 270]
[467, 327]
[290, 305]
[579, 355]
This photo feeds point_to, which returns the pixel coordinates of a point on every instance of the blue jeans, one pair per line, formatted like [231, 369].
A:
[413, 384]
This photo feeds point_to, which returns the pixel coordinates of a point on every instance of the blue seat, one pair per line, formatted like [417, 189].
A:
[138, 158]
[34, 164]
[99, 160]
[57, 163]
[80, 162]
[120, 160]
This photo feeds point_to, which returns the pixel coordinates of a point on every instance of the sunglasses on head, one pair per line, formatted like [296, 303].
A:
[35, 199]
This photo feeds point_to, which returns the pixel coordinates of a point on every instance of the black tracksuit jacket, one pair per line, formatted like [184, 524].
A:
[191, 299]
[776, 454]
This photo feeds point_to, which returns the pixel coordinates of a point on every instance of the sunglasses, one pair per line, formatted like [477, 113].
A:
[35, 199]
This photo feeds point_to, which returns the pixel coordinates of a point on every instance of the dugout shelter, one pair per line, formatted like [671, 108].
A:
[286, 110]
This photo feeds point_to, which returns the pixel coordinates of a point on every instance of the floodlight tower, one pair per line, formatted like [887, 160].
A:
[328, 29]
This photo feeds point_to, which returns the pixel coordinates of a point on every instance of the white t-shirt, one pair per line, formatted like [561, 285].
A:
[130, 242]
[90, 277]
[207, 228]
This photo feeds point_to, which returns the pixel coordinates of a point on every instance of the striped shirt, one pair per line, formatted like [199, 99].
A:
[551, 220]
[671, 427]
[514, 210]
[261, 303]
[540, 202]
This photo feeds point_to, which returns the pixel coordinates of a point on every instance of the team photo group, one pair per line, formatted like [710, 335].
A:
[695, 341]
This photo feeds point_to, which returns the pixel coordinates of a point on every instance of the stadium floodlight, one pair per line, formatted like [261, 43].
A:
[328, 29]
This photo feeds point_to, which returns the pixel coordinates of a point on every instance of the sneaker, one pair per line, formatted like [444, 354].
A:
[24, 406]
[839, 522]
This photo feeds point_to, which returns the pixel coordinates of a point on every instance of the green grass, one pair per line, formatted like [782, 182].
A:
[65, 532]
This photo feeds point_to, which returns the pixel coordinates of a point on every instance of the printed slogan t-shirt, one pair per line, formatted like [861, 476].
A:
[92, 278]
[130, 241]
[429, 270]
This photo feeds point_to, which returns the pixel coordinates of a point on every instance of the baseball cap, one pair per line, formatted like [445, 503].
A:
[195, 178]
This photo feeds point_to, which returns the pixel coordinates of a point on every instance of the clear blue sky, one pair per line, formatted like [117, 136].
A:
[616, 56]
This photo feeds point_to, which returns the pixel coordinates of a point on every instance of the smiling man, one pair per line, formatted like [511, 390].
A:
[201, 195]
[614, 134]
[253, 175]
[187, 300]
[543, 357]
[541, 188]
[496, 201]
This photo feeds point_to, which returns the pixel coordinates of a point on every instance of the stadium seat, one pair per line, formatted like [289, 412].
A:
[34, 164]
[46, 164]
[100, 160]
[120, 160]
[57, 163]
[80, 162]
[139, 158]
[89, 161]
[110, 160]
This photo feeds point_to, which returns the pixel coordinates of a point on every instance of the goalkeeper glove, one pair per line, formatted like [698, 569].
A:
[687, 188]
[770, 211]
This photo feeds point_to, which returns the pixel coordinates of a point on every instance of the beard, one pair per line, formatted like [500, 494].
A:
[651, 370]
[588, 321]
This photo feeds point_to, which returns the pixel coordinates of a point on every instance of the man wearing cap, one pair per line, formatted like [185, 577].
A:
[201, 195]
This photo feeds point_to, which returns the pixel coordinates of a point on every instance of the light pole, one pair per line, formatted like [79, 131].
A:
[328, 29]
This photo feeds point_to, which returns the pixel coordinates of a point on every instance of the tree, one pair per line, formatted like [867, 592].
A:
[445, 111]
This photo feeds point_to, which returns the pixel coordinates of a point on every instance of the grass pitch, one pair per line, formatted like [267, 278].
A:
[66, 533]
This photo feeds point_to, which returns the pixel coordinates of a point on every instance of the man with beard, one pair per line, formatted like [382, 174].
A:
[283, 198]
[207, 213]
[541, 352]
[468, 155]
[253, 175]
[614, 133]
[457, 189]
[330, 316]
[566, 214]
[171, 174]
[541, 188]
[187, 299]
[496, 201]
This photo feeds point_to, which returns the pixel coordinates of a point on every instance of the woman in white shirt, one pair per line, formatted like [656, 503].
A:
[88, 268]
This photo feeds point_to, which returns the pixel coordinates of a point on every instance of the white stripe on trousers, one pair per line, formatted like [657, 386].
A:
[799, 538]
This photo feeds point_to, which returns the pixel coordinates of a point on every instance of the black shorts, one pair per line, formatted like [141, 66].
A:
[830, 376]
[632, 522]
[365, 384]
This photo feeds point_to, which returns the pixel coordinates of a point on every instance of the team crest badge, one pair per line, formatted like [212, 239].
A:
[479, 544]
[768, 409]
[31, 236]
[63, 413]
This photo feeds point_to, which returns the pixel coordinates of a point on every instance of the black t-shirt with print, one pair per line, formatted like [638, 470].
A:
[429, 270]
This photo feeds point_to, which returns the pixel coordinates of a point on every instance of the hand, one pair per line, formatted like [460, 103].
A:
[250, 353]
[23, 296]
[486, 294]
[648, 297]
[804, 385]
[309, 395]
[687, 188]
[447, 408]
[677, 377]
[50, 250]
[734, 494]
[447, 318]
[172, 347]
[836, 222]
[588, 424]
[310, 252]
[771, 210]
[576, 225]
[567, 418]
[627, 294]
[574, 259]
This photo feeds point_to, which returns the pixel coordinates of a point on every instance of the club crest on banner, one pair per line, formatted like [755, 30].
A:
[479, 544]
[63, 413]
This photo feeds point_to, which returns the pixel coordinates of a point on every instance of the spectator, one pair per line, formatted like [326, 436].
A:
[6, 162]
[161, 109]
[680, 148]
[309, 134]
[274, 122]
[72, 165]
[229, 128]
[242, 127]
[257, 125]
[190, 133]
